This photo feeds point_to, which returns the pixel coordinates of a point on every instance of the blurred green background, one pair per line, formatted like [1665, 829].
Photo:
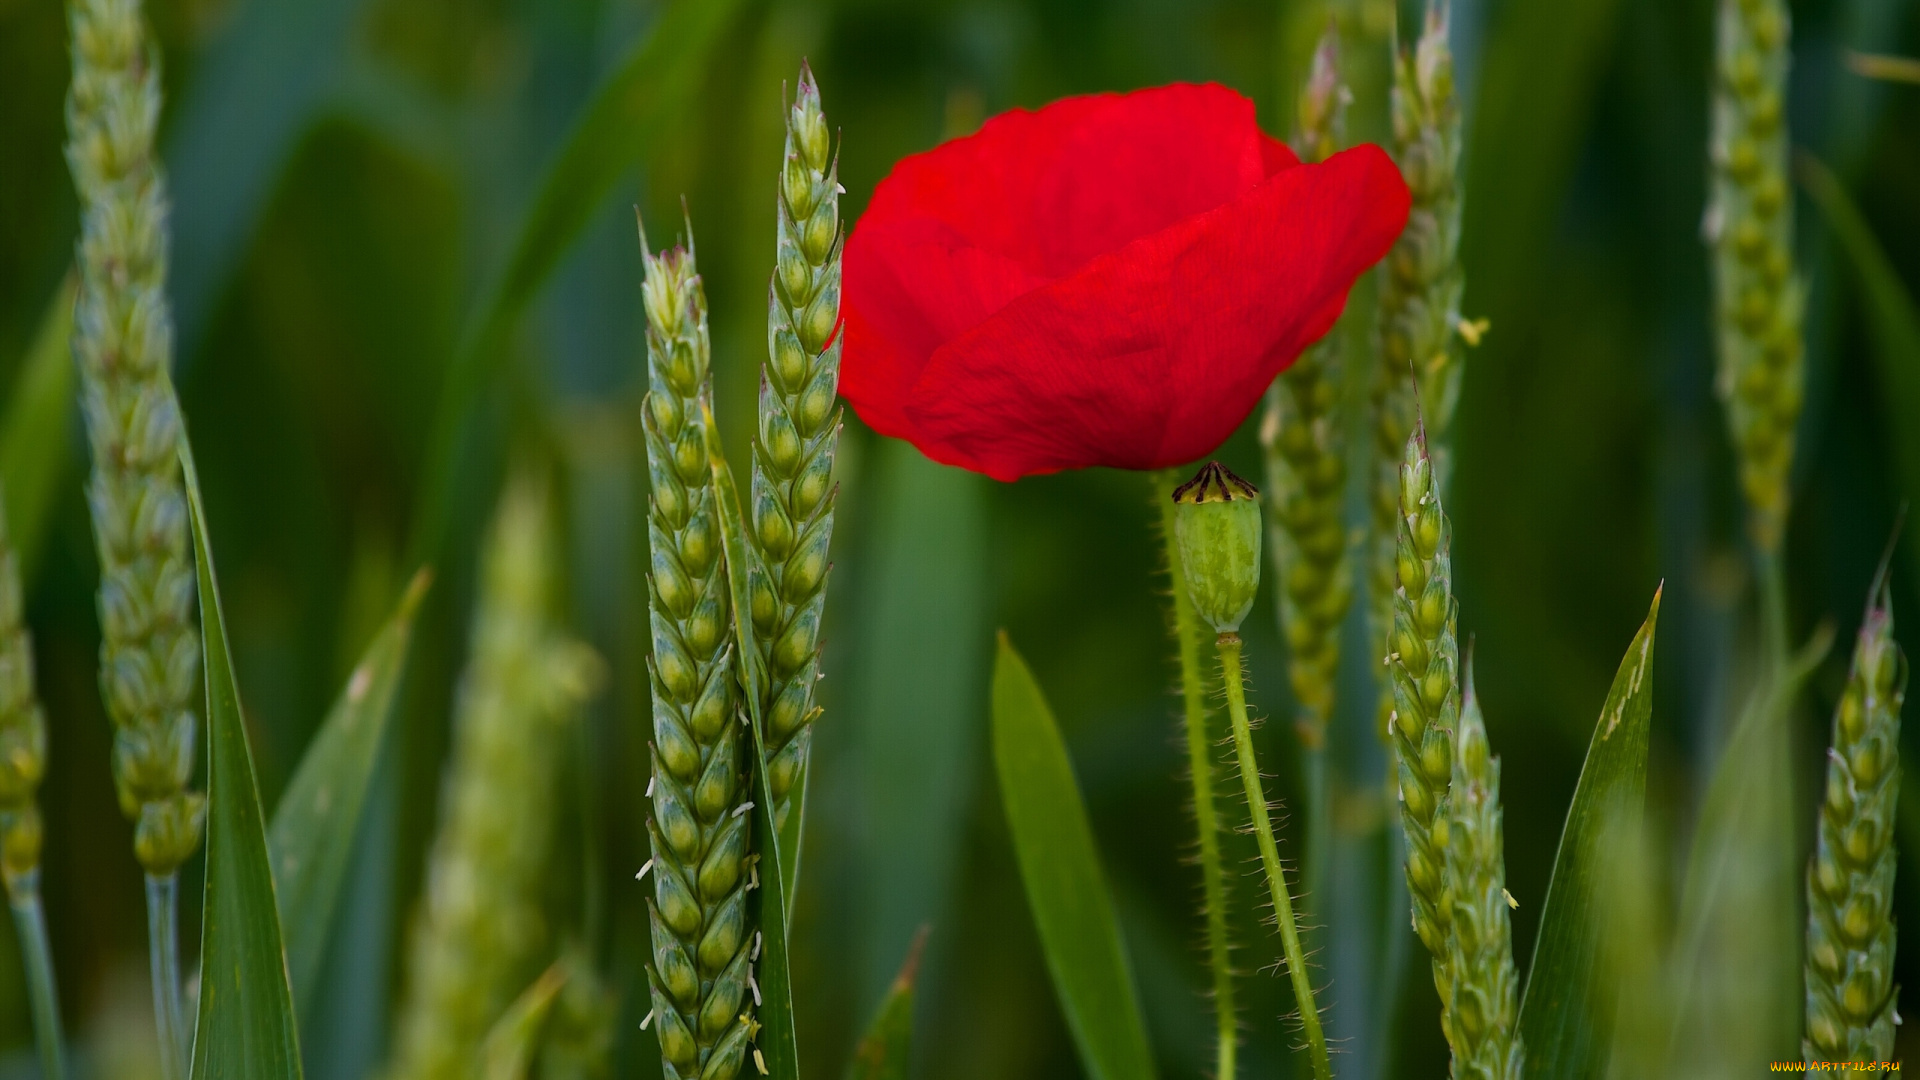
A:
[349, 177]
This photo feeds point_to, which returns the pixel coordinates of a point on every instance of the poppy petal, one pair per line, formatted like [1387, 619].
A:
[1152, 354]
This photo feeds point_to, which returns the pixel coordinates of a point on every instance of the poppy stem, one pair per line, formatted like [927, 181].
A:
[1234, 675]
[1200, 769]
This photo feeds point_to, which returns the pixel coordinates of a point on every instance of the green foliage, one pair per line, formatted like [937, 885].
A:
[918, 703]
[1066, 889]
[422, 197]
[508, 1053]
[35, 429]
[886, 1049]
[646, 94]
[318, 816]
[246, 1028]
[1892, 318]
[1739, 1007]
[1567, 1015]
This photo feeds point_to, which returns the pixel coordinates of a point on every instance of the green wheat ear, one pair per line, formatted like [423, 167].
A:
[23, 763]
[123, 345]
[481, 933]
[793, 490]
[23, 737]
[1483, 1015]
[1850, 931]
[1305, 443]
[1758, 298]
[698, 821]
[1420, 328]
[1424, 666]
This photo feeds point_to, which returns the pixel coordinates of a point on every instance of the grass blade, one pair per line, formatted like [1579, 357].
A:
[1567, 1013]
[508, 1053]
[1740, 1006]
[917, 709]
[650, 89]
[1065, 887]
[1893, 321]
[885, 1051]
[313, 828]
[255, 90]
[36, 432]
[246, 1029]
[777, 1050]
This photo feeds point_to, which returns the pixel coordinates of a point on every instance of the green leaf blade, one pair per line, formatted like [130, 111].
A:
[1072, 908]
[1566, 1015]
[512, 1040]
[36, 433]
[886, 1050]
[649, 91]
[1893, 320]
[246, 1028]
[313, 829]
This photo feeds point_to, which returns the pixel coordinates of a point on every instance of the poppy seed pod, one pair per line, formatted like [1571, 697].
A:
[1216, 528]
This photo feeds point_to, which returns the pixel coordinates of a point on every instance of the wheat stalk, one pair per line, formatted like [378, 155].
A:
[1483, 1014]
[699, 825]
[481, 934]
[23, 763]
[1424, 667]
[1758, 298]
[792, 512]
[1420, 328]
[1850, 930]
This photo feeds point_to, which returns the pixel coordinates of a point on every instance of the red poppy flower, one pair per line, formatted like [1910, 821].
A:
[1111, 280]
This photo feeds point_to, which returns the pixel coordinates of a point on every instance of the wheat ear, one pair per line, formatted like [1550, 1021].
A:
[1758, 298]
[1424, 666]
[793, 487]
[1420, 330]
[1305, 445]
[1483, 1016]
[699, 821]
[481, 935]
[123, 347]
[23, 763]
[1850, 931]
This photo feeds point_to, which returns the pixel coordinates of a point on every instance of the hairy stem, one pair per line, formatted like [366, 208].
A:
[163, 950]
[36, 956]
[1234, 675]
[1200, 770]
